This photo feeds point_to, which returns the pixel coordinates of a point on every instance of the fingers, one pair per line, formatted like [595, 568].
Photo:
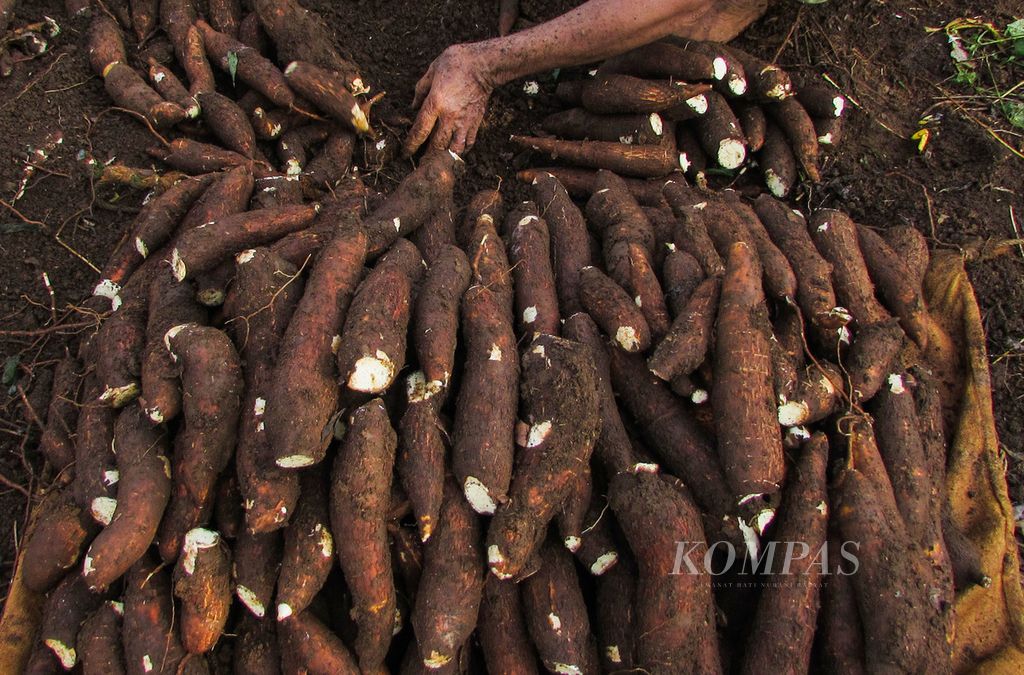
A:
[421, 128]
[423, 87]
[508, 12]
[443, 133]
[471, 134]
[458, 144]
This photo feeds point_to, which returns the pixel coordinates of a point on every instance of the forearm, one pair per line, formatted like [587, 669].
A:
[591, 32]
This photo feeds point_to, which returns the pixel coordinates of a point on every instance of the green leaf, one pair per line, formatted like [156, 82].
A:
[232, 66]
[1016, 31]
[11, 370]
[1014, 112]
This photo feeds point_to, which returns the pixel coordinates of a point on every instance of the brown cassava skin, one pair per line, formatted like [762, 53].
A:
[66, 608]
[328, 92]
[579, 184]
[911, 246]
[490, 266]
[202, 584]
[191, 52]
[644, 161]
[784, 626]
[675, 623]
[485, 206]
[171, 88]
[413, 201]
[720, 134]
[779, 277]
[829, 131]
[299, 34]
[840, 638]
[614, 311]
[304, 395]
[94, 459]
[57, 443]
[663, 223]
[871, 356]
[814, 292]
[105, 43]
[819, 391]
[835, 236]
[616, 93]
[212, 286]
[777, 162]
[257, 309]
[228, 123]
[579, 125]
[436, 233]
[360, 492]
[420, 462]
[57, 541]
[194, 157]
[251, 67]
[647, 290]
[687, 344]
[692, 158]
[294, 144]
[143, 491]
[119, 344]
[821, 100]
[170, 304]
[436, 314]
[533, 279]
[753, 123]
[615, 618]
[99, 641]
[568, 231]
[904, 632]
[692, 235]
[230, 194]
[485, 412]
[312, 645]
[613, 447]
[176, 17]
[796, 124]
[681, 274]
[257, 652]
[130, 91]
[256, 563]
[331, 165]
[373, 339]
[733, 81]
[276, 189]
[766, 81]
[662, 60]
[597, 549]
[896, 284]
[202, 249]
[556, 614]
[743, 397]
[150, 632]
[505, 644]
[308, 548]
[212, 383]
[449, 592]
[560, 402]
[225, 15]
[570, 92]
[671, 432]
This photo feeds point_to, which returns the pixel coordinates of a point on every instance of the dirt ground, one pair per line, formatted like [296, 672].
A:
[965, 188]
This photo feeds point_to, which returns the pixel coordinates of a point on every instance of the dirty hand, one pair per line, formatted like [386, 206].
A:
[451, 97]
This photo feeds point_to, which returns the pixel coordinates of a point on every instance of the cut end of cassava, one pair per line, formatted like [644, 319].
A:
[251, 601]
[292, 167]
[196, 540]
[684, 162]
[645, 467]
[698, 103]
[372, 374]
[211, 297]
[178, 266]
[778, 187]
[358, 119]
[111, 477]
[495, 561]
[793, 413]
[720, 68]
[284, 611]
[169, 335]
[102, 510]
[436, 660]
[478, 496]
[326, 541]
[838, 105]
[67, 656]
[245, 256]
[731, 153]
[750, 539]
[627, 338]
[797, 435]
[192, 111]
[565, 669]
[613, 654]
[357, 87]
[699, 396]
[538, 433]
[657, 126]
[155, 415]
[572, 543]
[763, 519]
[825, 139]
[737, 85]
[895, 382]
[118, 397]
[604, 562]
[87, 565]
[426, 525]
[108, 289]
[294, 461]
[417, 388]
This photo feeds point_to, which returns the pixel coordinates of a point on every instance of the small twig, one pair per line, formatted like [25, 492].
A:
[34, 81]
[14, 486]
[23, 217]
[138, 116]
[1016, 231]
[46, 330]
[789, 35]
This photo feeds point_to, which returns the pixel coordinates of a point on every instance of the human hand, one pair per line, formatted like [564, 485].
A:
[452, 98]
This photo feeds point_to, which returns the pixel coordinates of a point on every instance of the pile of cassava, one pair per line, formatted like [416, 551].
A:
[324, 430]
[705, 108]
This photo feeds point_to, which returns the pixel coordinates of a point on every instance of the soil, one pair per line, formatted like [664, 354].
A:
[964, 188]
